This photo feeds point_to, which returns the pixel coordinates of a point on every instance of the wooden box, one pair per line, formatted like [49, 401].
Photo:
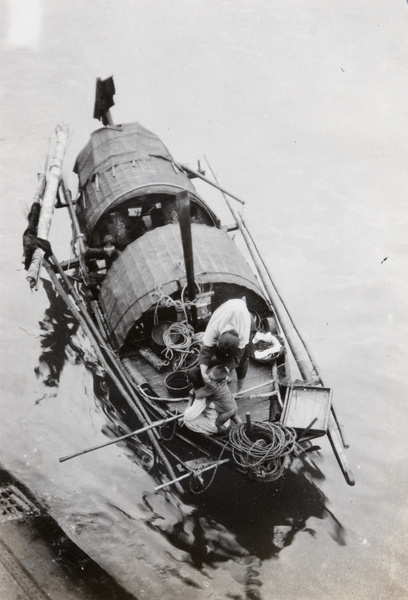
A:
[303, 404]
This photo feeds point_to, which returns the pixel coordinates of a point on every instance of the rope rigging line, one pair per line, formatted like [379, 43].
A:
[180, 305]
[197, 476]
[263, 452]
[180, 340]
[160, 399]
[180, 345]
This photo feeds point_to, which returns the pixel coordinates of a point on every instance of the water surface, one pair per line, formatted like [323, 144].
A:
[300, 108]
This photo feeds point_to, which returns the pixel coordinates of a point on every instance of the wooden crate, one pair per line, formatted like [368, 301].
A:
[303, 404]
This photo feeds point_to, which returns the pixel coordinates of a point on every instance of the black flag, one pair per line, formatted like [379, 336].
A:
[105, 90]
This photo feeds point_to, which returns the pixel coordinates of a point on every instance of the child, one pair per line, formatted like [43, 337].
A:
[220, 395]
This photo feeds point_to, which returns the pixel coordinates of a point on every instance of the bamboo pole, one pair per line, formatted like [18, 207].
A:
[200, 176]
[255, 387]
[49, 198]
[41, 180]
[270, 289]
[123, 437]
[305, 345]
[114, 371]
[79, 236]
[275, 299]
[71, 305]
[333, 434]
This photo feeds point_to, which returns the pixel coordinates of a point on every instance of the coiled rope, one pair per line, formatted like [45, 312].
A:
[264, 452]
[180, 345]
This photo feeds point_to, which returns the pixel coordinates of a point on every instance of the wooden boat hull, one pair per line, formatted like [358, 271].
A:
[173, 263]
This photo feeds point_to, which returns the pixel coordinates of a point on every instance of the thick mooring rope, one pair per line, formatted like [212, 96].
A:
[264, 451]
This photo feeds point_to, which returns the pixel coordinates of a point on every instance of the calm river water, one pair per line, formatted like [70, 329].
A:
[300, 107]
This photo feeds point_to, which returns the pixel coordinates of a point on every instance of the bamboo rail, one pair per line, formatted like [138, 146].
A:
[335, 434]
[77, 305]
[79, 236]
[200, 176]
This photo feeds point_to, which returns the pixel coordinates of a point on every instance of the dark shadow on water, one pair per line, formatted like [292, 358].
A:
[234, 519]
[57, 329]
[251, 518]
[245, 522]
[63, 341]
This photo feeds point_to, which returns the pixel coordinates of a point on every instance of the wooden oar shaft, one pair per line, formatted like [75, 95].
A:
[268, 285]
[254, 396]
[255, 387]
[75, 312]
[303, 369]
[307, 429]
[306, 346]
[338, 448]
[122, 437]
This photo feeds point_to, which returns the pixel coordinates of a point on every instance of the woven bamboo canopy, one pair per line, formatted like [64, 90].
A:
[155, 262]
[124, 162]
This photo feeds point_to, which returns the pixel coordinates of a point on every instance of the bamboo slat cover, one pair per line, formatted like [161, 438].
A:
[115, 145]
[123, 162]
[153, 176]
[156, 261]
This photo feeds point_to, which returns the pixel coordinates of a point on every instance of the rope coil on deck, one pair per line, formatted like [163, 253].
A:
[264, 452]
[182, 345]
[185, 348]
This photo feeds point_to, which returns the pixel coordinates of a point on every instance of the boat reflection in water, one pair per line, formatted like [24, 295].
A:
[264, 520]
[231, 520]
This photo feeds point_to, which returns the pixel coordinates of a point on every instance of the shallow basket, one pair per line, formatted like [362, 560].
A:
[158, 331]
[178, 384]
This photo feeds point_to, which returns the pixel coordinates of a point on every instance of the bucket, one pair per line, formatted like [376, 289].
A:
[178, 384]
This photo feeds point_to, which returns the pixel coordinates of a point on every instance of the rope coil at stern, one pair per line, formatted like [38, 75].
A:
[264, 452]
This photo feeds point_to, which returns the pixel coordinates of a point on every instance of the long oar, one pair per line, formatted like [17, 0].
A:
[255, 387]
[112, 368]
[303, 341]
[122, 437]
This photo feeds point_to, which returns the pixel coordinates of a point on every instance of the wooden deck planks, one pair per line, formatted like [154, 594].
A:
[257, 374]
